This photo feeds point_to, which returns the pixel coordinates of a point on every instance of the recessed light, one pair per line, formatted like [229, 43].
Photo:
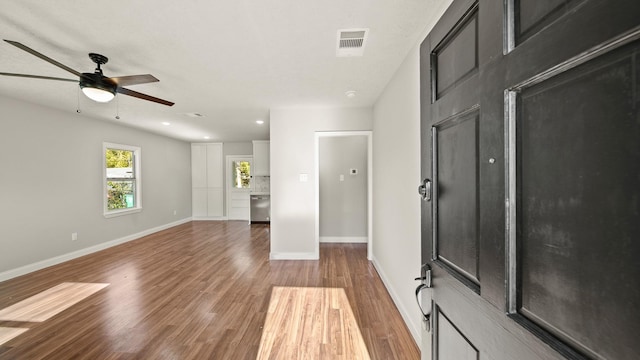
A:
[166, 123]
[207, 137]
[259, 122]
[350, 93]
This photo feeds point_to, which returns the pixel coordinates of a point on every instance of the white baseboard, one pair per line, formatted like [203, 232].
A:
[294, 256]
[343, 239]
[10, 274]
[206, 218]
[407, 316]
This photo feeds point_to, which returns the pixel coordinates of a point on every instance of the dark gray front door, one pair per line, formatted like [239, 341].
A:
[530, 128]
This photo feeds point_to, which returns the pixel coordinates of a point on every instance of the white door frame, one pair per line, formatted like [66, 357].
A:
[369, 136]
[229, 160]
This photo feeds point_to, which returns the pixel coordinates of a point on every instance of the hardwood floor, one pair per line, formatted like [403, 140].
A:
[46, 304]
[311, 323]
[200, 290]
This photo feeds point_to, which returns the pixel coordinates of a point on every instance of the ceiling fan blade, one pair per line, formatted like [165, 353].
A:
[38, 77]
[142, 96]
[43, 57]
[132, 79]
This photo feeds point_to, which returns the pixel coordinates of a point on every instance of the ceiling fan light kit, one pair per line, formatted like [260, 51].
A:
[97, 94]
[96, 89]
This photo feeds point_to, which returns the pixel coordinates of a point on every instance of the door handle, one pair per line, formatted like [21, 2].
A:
[424, 189]
[425, 280]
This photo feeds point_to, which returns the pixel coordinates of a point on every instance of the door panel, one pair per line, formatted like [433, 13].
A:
[199, 202]
[452, 344]
[239, 208]
[532, 144]
[456, 176]
[456, 57]
[214, 165]
[484, 326]
[215, 202]
[533, 16]
[199, 165]
[569, 212]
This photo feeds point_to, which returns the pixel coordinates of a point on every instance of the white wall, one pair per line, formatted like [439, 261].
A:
[51, 185]
[343, 196]
[396, 175]
[293, 203]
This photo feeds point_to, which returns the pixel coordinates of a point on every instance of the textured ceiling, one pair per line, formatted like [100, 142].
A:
[231, 61]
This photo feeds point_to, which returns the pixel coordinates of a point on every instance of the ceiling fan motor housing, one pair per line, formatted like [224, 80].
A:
[95, 80]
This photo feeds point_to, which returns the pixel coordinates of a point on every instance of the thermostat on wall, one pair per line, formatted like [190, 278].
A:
[353, 171]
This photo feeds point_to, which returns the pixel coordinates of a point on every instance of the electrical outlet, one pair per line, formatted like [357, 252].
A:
[74, 236]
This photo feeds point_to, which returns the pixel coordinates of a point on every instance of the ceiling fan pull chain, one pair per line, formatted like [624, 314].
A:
[117, 108]
[78, 96]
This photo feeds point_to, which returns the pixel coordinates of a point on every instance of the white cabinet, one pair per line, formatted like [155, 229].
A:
[215, 168]
[260, 158]
[199, 202]
[198, 166]
[206, 181]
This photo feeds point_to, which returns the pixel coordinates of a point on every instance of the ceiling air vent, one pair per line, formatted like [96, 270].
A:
[351, 42]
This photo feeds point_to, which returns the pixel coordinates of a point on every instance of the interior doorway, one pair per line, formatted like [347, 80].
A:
[238, 186]
[343, 188]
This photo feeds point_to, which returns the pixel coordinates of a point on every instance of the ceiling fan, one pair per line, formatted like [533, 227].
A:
[95, 85]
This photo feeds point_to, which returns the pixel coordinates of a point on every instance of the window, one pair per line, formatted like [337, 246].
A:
[122, 187]
[241, 174]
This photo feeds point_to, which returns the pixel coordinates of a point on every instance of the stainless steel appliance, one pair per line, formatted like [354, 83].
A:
[260, 209]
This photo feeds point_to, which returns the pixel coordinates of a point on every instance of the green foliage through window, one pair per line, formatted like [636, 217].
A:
[119, 158]
[242, 174]
[121, 182]
[120, 195]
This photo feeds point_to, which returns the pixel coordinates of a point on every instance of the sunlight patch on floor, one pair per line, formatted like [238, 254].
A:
[48, 303]
[311, 323]
[7, 333]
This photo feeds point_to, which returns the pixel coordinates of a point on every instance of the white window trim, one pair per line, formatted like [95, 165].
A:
[137, 161]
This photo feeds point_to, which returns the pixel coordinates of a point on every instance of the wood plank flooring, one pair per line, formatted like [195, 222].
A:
[200, 290]
[7, 334]
[44, 305]
[311, 323]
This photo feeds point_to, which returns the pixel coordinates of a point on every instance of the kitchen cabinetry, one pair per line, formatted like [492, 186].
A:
[206, 181]
[260, 158]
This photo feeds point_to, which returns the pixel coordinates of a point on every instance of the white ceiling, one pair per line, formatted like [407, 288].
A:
[231, 61]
